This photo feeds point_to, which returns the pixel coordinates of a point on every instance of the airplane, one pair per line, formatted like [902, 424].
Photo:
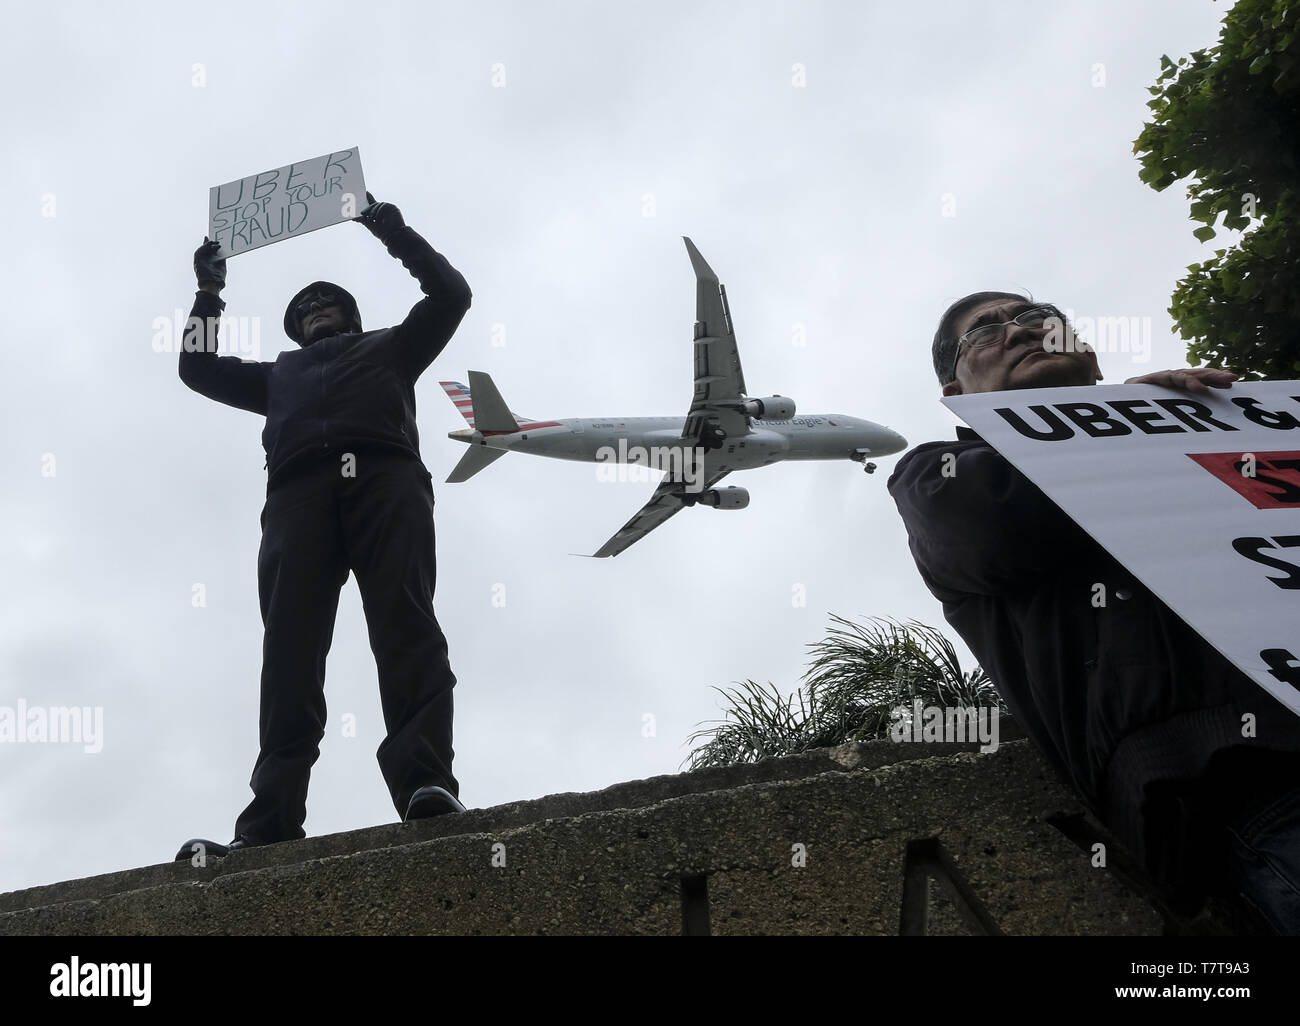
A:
[724, 430]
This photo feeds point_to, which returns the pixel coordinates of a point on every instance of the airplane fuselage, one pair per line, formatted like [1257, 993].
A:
[630, 439]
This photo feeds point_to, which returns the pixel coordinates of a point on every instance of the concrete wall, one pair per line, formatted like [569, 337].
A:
[880, 838]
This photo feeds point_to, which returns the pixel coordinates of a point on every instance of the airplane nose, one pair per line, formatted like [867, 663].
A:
[897, 441]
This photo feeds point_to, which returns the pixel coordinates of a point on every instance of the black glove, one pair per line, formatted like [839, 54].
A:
[207, 267]
[382, 219]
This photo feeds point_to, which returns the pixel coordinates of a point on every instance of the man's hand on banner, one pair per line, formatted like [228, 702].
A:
[209, 269]
[382, 219]
[1189, 379]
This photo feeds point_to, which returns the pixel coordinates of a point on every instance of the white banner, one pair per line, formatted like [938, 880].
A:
[1198, 496]
[274, 205]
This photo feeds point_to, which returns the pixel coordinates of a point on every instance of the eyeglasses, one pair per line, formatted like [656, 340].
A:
[322, 298]
[991, 334]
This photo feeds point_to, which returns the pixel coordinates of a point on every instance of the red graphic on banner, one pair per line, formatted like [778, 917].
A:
[1270, 480]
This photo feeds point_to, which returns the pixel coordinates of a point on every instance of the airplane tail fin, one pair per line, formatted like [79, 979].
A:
[460, 398]
[490, 411]
[475, 459]
[481, 404]
[485, 412]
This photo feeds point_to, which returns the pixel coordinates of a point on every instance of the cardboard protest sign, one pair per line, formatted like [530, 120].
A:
[273, 205]
[1198, 496]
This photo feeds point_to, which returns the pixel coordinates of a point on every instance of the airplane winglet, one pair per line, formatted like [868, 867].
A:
[712, 316]
[703, 271]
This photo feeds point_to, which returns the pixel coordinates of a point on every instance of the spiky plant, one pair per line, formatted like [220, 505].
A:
[859, 674]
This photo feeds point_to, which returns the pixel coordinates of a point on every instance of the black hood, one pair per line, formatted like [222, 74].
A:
[349, 304]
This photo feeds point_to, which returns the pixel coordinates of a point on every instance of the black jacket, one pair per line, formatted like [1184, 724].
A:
[340, 393]
[1119, 696]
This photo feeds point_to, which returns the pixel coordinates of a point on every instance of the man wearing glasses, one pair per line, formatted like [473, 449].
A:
[346, 491]
[1141, 716]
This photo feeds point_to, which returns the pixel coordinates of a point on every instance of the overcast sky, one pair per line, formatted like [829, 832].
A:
[847, 168]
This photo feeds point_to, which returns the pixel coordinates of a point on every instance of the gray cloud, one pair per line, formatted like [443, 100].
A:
[818, 206]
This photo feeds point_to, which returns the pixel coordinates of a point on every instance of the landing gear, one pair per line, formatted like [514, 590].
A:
[860, 456]
[712, 437]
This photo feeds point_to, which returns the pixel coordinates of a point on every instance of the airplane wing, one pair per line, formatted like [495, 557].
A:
[666, 500]
[719, 391]
[719, 380]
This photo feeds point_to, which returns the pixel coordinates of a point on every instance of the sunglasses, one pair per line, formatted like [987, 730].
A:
[314, 299]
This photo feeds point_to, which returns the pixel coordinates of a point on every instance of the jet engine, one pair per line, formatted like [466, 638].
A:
[730, 497]
[775, 407]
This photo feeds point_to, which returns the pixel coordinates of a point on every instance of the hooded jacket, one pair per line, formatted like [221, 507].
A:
[1121, 696]
[343, 392]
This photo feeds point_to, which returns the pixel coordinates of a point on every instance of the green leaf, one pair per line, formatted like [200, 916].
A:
[1204, 234]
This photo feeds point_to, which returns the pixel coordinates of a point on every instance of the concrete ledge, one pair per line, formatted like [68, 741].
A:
[627, 795]
[815, 844]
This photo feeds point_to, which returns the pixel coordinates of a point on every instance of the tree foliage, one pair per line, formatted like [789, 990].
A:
[859, 674]
[1228, 118]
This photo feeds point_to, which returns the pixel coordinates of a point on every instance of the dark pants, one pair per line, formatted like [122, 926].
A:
[316, 526]
[1266, 861]
[1233, 832]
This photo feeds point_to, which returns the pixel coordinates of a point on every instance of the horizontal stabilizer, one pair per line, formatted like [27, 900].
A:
[475, 459]
[490, 411]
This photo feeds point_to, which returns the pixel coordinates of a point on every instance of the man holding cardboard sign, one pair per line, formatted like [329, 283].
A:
[346, 490]
[1190, 763]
